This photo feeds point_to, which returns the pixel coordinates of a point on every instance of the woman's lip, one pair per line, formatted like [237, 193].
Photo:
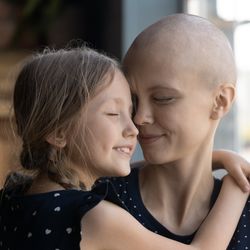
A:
[148, 139]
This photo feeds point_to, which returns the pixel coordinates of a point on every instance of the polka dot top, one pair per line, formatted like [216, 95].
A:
[46, 221]
[125, 192]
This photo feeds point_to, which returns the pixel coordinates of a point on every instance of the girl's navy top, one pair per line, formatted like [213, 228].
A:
[46, 221]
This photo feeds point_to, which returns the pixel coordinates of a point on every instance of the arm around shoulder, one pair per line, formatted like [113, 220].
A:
[218, 228]
[109, 227]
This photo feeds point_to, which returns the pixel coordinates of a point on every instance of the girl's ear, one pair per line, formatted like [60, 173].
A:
[224, 98]
[57, 139]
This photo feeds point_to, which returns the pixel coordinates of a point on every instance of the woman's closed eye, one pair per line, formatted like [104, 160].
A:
[163, 99]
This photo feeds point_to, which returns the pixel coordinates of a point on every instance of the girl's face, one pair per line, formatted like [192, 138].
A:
[173, 107]
[110, 135]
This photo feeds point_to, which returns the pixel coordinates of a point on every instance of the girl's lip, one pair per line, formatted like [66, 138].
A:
[125, 149]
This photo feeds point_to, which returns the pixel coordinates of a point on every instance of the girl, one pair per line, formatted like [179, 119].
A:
[73, 113]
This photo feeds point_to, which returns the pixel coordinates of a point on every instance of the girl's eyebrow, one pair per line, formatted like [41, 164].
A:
[119, 101]
[116, 100]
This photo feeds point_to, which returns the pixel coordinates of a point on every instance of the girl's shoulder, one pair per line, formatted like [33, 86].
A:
[63, 201]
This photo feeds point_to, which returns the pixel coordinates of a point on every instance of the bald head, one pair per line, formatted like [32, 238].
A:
[191, 42]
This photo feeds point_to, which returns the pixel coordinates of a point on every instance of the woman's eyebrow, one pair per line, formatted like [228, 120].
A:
[162, 87]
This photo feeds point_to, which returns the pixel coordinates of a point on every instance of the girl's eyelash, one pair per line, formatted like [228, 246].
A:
[113, 114]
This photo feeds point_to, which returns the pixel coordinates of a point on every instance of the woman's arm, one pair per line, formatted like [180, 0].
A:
[236, 166]
[108, 226]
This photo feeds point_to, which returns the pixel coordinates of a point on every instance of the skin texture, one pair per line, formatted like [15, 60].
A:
[182, 74]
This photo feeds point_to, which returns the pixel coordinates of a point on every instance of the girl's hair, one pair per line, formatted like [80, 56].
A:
[49, 95]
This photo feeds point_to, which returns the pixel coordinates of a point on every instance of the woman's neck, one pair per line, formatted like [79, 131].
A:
[178, 194]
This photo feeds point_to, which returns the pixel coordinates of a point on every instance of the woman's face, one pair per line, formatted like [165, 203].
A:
[110, 135]
[172, 107]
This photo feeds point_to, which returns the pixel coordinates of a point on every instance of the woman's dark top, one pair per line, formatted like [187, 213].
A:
[125, 192]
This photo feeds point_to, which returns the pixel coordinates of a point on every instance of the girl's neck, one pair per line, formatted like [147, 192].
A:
[43, 184]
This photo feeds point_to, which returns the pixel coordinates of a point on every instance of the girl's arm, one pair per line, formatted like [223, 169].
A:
[108, 226]
[219, 226]
[236, 166]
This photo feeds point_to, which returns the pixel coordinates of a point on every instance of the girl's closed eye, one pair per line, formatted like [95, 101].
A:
[112, 113]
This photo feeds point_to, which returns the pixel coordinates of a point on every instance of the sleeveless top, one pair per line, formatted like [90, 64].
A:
[125, 192]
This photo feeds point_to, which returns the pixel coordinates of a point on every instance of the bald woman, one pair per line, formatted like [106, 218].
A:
[182, 76]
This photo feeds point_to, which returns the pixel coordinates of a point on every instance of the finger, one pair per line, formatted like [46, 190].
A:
[241, 180]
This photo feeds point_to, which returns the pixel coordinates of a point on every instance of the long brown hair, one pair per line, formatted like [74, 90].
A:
[50, 92]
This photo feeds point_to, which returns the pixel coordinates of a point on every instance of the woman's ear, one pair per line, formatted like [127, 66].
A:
[224, 98]
[57, 139]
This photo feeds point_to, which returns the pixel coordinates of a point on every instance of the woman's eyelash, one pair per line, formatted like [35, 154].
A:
[163, 99]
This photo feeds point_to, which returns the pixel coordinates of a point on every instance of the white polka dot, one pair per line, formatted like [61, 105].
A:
[245, 226]
[245, 236]
[90, 197]
[130, 199]
[120, 185]
[29, 235]
[238, 241]
[34, 213]
[56, 194]
[57, 209]
[69, 230]
[15, 228]
[124, 191]
[139, 215]
[134, 206]
[48, 231]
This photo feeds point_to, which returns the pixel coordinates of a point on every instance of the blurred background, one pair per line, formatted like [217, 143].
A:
[28, 26]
